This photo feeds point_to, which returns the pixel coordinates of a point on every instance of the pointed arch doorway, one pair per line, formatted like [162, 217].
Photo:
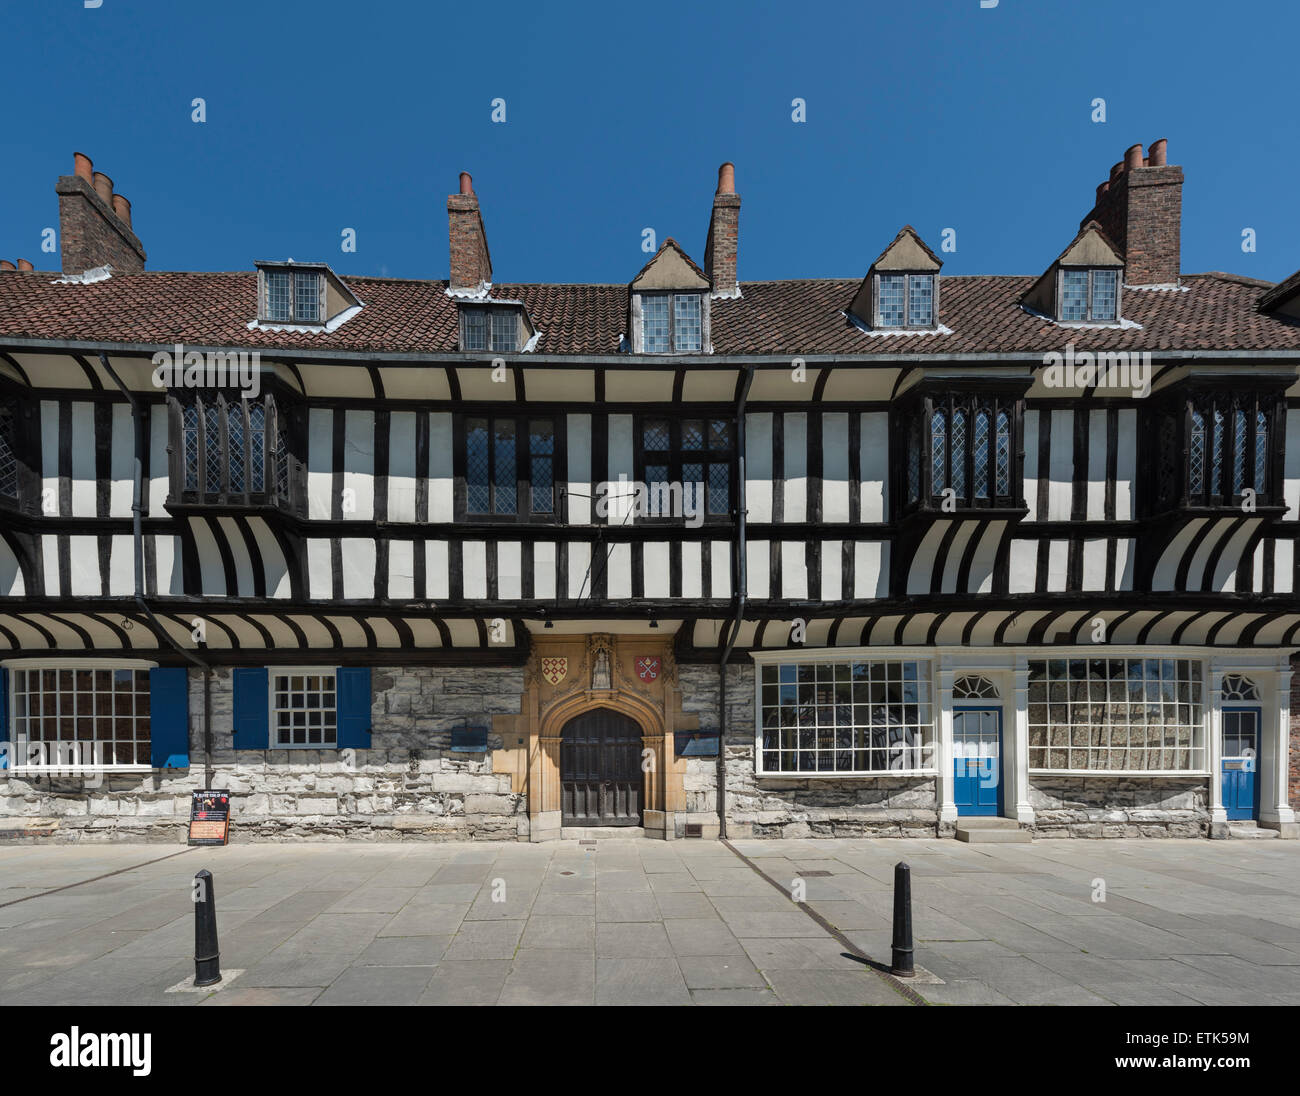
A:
[601, 779]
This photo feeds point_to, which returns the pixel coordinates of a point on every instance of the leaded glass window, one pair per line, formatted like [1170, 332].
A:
[1228, 447]
[981, 454]
[306, 297]
[1089, 295]
[1003, 457]
[905, 300]
[690, 460]
[672, 322]
[939, 450]
[845, 717]
[224, 447]
[491, 328]
[957, 453]
[966, 447]
[1116, 714]
[509, 466]
[291, 296]
[8, 454]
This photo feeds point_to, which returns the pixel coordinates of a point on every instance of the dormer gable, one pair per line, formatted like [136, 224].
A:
[495, 326]
[1083, 284]
[668, 304]
[901, 289]
[294, 296]
[1283, 300]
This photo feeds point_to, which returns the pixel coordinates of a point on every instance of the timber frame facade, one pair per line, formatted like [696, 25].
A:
[844, 577]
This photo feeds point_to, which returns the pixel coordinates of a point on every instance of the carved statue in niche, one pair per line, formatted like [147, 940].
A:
[601, 649]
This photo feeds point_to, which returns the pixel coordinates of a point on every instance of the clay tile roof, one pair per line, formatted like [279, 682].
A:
[802, 316]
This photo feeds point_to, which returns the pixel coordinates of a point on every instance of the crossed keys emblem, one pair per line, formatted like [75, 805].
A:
[647, 667]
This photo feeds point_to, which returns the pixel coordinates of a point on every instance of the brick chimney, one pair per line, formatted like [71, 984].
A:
[95, 223]
[1140, 207]
[724, 235]
[471, 262]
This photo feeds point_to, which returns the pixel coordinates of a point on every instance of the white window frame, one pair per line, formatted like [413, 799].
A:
[273, 736]
[16, 766]
[1201, 730]
[929, 746]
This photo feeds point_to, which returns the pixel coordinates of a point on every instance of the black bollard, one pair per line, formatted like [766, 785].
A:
[207, 955]
[902, 966]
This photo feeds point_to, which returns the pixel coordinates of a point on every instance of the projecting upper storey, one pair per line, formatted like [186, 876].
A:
[1118, 280]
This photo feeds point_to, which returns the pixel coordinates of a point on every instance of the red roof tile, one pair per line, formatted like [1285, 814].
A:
[1217, 312]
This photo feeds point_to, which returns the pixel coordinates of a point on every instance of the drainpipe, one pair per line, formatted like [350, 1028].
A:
[742, 580]
[137, 509]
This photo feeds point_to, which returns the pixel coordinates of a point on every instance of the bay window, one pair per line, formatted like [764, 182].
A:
[231, 450]
[962, 451]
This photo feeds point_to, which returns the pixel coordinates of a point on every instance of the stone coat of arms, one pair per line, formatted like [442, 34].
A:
[554, 670]
[647, 667]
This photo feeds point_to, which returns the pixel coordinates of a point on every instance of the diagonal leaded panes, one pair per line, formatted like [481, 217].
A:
[981, 454]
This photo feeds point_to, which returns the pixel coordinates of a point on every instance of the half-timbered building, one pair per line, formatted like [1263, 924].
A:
[903, 554]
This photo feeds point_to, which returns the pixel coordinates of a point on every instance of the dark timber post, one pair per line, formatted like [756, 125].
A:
[902, 965]
[207, 956]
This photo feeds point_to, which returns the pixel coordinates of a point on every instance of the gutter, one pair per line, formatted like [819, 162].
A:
[137, 509]
[612, 358]
[742, 581]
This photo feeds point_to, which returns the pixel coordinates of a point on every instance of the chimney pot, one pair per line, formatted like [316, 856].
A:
[1133, 157]
[24, 265]
[1142, 214]
[1116, 171]
[82, 166]
[6, 265]
[720, 251]
[727, 178]
[1102, 188]
[122, 208]
[1158, 152]
[104, 188]
[466, 183]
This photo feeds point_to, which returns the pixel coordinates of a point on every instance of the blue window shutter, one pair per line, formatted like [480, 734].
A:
[169, 718]
[4, 719]
[252, 708]
[353, 685]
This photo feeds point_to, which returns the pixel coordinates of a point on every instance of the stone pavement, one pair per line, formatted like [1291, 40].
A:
[649, 922]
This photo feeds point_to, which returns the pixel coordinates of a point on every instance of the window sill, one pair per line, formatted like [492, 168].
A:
[844, 775]
[1124, 773]
[74, 770]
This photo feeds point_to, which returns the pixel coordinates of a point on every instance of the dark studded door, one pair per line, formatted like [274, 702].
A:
[601, 781]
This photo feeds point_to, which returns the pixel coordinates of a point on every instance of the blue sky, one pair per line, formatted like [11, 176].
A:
[323, 115]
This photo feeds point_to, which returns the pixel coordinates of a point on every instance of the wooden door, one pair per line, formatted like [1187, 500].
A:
[601, 783]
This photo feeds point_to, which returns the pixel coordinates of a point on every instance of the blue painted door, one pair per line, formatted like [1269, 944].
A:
[977, 760]
[1240, 762]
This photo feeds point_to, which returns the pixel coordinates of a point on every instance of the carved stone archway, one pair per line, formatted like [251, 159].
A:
[559, 678]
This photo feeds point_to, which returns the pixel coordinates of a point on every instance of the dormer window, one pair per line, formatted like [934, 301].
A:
[1089, 296]
[292, 296]
[491, 328]
[669, 301]
[904, 300]
[304, 295]
[1082, 286]
[901, 290]
[672, 323]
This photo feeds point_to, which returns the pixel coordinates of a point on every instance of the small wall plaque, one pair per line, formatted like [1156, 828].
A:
[696, 743]
[469, 739]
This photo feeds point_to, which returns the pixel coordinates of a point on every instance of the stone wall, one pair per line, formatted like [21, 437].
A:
[805, 807]
[1100, 806]
[408, 784]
